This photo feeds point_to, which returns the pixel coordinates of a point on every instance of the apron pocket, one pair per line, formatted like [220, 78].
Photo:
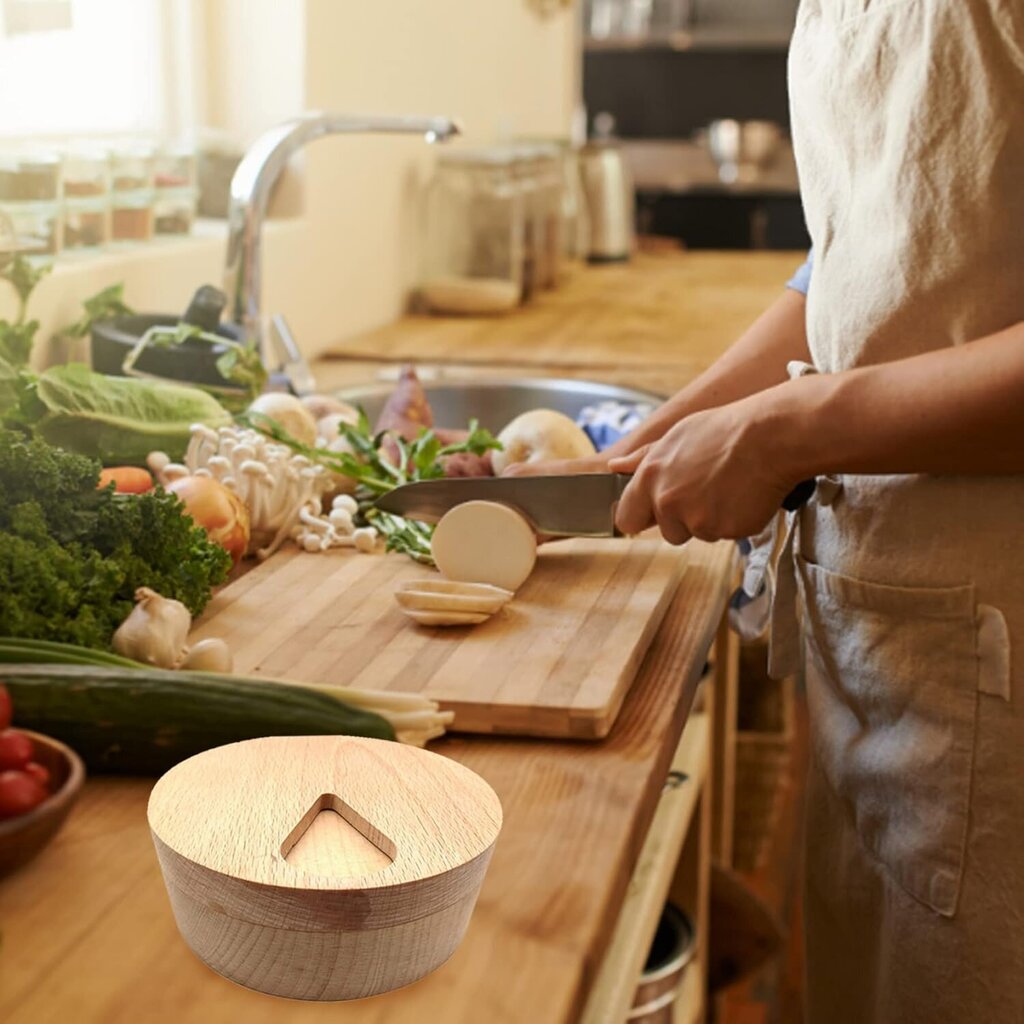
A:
[892, 686]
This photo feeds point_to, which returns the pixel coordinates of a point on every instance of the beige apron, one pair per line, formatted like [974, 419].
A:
[908, 125]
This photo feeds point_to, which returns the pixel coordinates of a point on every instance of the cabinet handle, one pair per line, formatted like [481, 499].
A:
[674, 780]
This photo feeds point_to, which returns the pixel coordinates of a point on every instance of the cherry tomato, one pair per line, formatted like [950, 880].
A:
[5, 707]
[19, 793]
[16, 749]
[39, 772]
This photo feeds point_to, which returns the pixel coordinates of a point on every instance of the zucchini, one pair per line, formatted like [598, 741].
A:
[143, 721]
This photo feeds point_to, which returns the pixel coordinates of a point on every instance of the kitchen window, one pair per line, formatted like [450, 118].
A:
[74, 68]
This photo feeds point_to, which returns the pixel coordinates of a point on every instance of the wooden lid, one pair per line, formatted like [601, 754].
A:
[253, 813]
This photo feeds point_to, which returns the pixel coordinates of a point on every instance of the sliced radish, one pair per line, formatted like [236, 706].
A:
[425, 618]
[430, 601]
[485, 542]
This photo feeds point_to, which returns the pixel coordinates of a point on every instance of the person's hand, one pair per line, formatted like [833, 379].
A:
[596, 463]
[716, 474]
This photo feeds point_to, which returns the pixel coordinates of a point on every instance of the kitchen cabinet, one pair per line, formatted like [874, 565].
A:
[713, 219]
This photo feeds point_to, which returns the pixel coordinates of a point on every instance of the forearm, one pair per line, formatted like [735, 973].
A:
[958, 410]
[755, 361]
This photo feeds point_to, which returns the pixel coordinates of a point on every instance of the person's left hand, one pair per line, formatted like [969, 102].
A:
[716, 474]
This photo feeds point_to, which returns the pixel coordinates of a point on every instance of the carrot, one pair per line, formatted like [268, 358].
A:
[126, 479]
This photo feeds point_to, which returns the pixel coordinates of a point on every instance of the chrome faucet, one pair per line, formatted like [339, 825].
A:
[255, 177]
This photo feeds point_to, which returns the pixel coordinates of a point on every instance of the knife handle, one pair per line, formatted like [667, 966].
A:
[800, 495]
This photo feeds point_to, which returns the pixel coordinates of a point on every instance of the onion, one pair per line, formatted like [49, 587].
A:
[217, 510]
[288, 413]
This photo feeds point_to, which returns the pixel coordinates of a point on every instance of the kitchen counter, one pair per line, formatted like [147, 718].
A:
[88, 934]
[653, 323]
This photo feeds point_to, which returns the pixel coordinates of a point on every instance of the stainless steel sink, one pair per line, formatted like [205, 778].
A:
[495, 402]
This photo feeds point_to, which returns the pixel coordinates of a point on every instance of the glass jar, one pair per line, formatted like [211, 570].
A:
[85, 174]
[132, 175]
[475, 232]
[132, 169]
[541, 177]
[528, 187]
[131, 217]
[30, 199]
[573, 227]
[174, 211]
[175, 168]
[86, 224]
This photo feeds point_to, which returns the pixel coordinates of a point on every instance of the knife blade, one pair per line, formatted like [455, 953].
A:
[563, 506]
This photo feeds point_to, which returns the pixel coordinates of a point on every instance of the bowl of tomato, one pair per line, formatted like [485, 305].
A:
[40, 779]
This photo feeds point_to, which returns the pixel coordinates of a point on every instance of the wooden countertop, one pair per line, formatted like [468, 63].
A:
[87, 929]
[88, 934]
[653, 323]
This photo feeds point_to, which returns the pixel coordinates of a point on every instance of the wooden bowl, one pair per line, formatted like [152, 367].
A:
[23, 837]
[323, 867]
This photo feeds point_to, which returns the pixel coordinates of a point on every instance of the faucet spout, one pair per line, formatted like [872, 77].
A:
[254, 178]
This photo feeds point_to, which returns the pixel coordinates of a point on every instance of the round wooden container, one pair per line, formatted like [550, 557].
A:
[323, 867]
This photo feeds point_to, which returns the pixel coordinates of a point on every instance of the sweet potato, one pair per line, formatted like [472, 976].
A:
[468, 464]
[407, 413]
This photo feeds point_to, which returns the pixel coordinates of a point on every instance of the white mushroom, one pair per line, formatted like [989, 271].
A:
[365, 539]
[346, 502]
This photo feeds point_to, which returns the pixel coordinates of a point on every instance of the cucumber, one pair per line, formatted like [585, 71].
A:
[143, 721]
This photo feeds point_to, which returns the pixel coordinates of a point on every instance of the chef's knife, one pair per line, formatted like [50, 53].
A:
[563, 506]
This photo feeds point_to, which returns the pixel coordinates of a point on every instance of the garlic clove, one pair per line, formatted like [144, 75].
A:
[210, 655]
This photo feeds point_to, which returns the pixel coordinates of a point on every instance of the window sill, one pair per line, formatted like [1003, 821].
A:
[158, 276]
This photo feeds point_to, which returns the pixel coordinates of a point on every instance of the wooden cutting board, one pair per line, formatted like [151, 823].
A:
[556, 661]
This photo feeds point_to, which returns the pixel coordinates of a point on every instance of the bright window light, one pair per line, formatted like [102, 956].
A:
[107, 74]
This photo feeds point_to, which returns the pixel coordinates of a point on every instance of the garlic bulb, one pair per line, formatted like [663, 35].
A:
[155, 631]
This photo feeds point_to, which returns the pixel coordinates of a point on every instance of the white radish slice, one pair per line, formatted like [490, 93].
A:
[447, 618]
[485, 542]
[424, 601]
[436, 585]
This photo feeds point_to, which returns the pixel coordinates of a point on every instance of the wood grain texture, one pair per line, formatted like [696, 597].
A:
[89, 936]
[556, 661]
[655, 314]
[357, 924]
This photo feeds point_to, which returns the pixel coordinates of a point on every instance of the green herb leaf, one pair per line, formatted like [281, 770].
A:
[376, 474]
[104, 305]
[16, 340]
[23, 276]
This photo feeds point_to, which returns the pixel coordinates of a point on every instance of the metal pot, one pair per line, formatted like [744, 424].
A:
[741, 148]
[190, 362]
[495, 402]
[671, 952]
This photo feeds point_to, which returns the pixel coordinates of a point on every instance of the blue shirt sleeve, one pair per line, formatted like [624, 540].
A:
[801, 280]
